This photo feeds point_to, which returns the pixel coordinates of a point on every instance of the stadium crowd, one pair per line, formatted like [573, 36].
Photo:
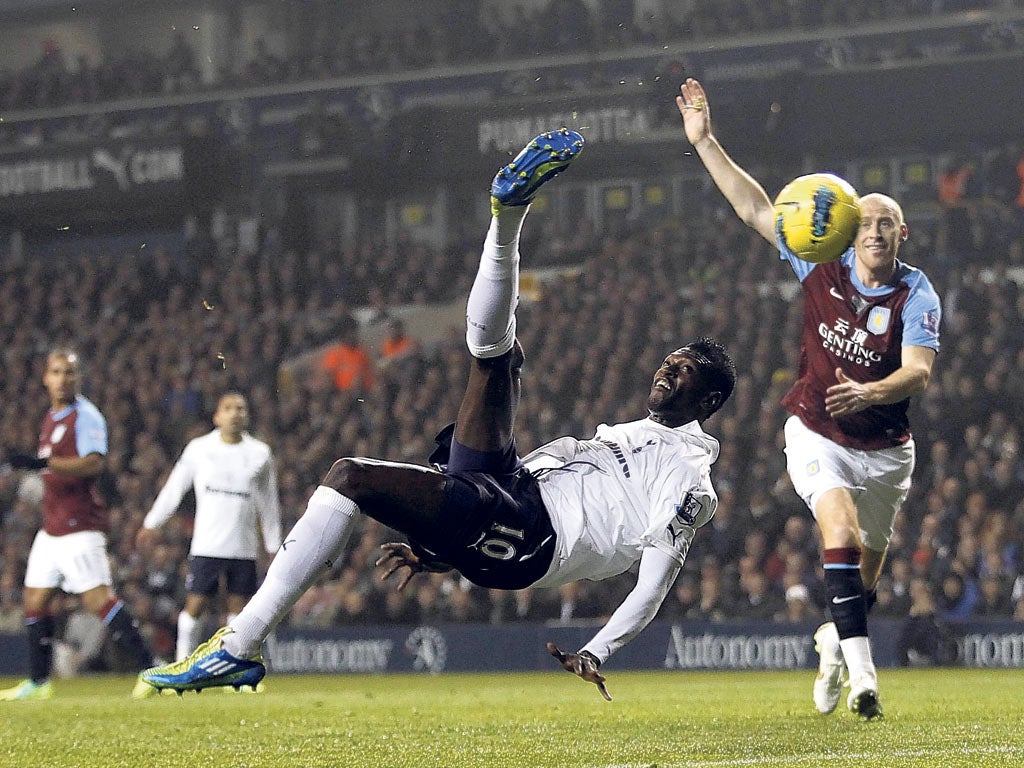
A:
[162, 337]
[245, 313]
[465, 33]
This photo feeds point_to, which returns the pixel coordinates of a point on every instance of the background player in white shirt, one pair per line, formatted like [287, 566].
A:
[870, 335]
[573, 509]
[235, 484]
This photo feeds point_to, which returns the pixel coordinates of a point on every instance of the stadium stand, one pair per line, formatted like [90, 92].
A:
[249, 312]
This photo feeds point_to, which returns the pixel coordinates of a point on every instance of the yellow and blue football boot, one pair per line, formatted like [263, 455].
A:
[543, 158]
[209, 666]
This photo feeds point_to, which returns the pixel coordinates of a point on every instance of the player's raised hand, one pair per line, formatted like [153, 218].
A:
[693, 106]
[583, 664]
[397, 556]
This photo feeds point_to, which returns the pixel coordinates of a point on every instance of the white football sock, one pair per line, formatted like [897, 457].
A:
[857, 655]
[188, 629]
[309, 550]
[508, 223]
[490, 310]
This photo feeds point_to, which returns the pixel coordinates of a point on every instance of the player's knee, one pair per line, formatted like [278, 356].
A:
[347, 476]
[510, 361]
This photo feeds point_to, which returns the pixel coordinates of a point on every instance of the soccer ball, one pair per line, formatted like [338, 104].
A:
[817, 217]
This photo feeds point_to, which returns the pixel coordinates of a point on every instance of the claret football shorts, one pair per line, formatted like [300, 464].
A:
[879, 481]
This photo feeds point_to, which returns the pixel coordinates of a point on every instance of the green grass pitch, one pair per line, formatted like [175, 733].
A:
[938, 717]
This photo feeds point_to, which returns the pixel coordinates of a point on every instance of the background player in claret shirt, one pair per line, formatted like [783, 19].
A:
[235, 485]
[870, 335]
[70, 552]
[573, 509]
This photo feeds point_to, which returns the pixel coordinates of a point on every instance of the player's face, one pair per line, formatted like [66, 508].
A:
[881, 232]
[677, 389]
[231, 416]
[61, 379]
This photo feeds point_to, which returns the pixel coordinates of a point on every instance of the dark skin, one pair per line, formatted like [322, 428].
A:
[408, 497]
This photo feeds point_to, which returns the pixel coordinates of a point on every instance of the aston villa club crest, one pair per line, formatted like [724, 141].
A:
[878, 320]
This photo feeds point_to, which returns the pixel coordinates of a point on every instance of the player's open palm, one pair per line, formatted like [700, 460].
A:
[693, 106]
[582, 664]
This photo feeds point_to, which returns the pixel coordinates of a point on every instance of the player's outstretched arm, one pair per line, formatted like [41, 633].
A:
[742, 190]
[583, 664]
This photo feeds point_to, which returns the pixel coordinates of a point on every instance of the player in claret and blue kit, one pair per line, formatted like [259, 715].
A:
[70, 552]
[870, 336]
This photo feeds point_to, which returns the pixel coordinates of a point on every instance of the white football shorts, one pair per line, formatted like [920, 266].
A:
[74, 563]
[879, 481]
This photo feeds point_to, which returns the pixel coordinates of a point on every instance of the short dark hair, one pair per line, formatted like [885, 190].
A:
[716, 366]
[232, 393]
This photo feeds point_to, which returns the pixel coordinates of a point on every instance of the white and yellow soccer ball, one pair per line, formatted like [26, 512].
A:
[817, 216]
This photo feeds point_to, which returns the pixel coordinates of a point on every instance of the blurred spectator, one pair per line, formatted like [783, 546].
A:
[923, 639]
[180, 72]
[348, 363]
[464, 604]
[684, 602]
[759, 598]
[11, 616]
[80, 649]
[798, 606]
[994, 601]
[398, 344]
[958, 182]
[958, 598]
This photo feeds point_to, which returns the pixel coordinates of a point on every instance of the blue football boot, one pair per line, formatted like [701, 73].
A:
[543, 158]
[209, 666]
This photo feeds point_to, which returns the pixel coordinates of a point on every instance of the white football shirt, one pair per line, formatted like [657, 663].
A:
[634, 492]
[235, 486]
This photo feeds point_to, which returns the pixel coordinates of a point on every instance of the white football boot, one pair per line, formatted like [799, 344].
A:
[828, 685]
[863, 699]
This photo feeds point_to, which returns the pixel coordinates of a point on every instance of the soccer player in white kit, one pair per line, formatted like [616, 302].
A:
[573, 509]
[870, 335]
[235, 484]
